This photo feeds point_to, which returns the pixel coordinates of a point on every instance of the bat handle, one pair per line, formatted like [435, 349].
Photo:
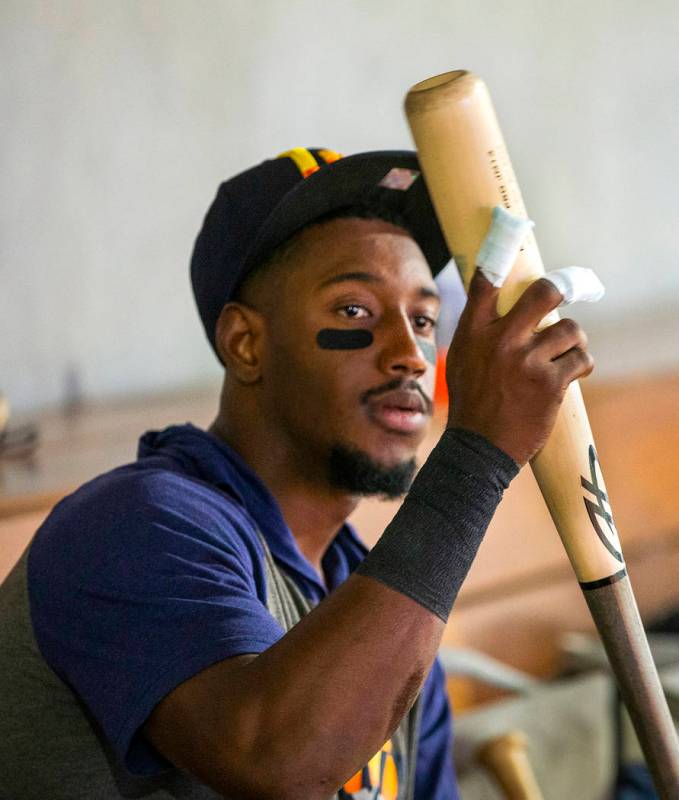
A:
[506, 757]
[616, 615]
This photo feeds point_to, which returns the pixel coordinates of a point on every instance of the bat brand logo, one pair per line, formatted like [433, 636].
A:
[599, 510]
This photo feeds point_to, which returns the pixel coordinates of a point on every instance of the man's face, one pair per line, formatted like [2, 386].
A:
[368, 391]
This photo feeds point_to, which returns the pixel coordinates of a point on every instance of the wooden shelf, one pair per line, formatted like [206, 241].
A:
[76, 446]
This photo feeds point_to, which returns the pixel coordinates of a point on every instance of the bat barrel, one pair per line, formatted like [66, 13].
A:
[616, 616]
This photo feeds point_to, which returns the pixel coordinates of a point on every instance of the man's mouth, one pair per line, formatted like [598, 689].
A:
[400, 411]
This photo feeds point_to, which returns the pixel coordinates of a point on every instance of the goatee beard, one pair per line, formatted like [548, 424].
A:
[358, 473]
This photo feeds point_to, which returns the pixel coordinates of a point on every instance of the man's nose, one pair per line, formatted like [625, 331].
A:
[400, 353]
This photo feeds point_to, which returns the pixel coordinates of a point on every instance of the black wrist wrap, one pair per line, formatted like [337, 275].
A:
[427, 549]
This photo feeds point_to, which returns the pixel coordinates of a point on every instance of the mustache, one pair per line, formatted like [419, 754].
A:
[396, 384]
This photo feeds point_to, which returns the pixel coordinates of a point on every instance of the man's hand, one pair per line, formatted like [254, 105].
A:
[506, 381]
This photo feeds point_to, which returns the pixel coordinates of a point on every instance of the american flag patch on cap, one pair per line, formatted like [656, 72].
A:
[399, 178]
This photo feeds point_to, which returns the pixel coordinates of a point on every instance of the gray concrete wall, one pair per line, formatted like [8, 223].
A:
[119, 118]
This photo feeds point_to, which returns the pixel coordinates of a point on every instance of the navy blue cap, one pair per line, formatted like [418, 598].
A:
[259, 209]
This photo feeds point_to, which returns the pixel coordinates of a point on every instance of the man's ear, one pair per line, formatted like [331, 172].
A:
[239, 336]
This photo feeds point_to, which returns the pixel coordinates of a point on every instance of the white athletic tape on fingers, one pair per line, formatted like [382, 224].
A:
[502, 244]
[577, 284]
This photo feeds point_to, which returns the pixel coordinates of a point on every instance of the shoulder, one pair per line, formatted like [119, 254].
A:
[133, 487]
[130, 494]
[140, 514]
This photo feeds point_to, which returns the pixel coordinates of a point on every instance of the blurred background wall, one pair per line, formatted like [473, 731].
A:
[120, 118]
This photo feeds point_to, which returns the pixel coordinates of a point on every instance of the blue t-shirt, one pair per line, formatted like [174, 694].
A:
[150, 573]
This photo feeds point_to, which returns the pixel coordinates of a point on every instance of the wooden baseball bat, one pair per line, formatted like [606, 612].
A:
[506, 757]
[468, 172]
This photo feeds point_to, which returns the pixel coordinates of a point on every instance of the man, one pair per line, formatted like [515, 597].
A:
[203, 622]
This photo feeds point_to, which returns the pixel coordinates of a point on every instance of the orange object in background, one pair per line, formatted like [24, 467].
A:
[441, 387]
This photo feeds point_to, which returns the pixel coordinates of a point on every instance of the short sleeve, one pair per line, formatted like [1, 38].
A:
[134, 591]
[434, 773]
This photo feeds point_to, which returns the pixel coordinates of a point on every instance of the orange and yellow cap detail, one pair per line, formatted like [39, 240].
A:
[305, 161]
[329, 156]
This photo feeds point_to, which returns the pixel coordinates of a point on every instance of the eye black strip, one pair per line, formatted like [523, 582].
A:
[337, 339]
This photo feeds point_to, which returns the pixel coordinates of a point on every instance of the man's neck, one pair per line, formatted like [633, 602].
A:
[313, 510]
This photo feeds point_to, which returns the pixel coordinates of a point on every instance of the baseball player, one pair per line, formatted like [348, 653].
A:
[204, 622]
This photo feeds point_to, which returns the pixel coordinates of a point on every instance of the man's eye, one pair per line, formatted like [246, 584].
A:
[354, 311]
[424, 323]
